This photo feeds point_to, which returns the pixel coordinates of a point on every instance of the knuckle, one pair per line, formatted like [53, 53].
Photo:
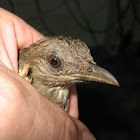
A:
[71, 130]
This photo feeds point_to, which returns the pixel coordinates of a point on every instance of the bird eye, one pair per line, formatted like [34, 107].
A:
[54, 61]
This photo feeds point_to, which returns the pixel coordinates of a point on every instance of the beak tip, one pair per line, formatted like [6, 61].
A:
[116, 83]
[112, 80]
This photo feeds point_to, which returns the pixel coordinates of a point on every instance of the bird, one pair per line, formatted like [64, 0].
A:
[54, 63]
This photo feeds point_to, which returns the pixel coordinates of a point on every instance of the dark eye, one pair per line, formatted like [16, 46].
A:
[54, 61]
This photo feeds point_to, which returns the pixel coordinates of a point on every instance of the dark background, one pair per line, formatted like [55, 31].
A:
[111, 29]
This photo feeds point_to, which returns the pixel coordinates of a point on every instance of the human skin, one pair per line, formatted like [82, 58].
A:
[25, 113]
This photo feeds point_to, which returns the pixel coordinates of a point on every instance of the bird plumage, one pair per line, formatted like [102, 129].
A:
[55, 62]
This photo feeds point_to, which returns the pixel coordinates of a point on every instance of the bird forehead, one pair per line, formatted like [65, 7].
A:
[71, 48]
[66, 48]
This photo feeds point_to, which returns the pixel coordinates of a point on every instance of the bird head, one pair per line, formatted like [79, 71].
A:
[60, 61]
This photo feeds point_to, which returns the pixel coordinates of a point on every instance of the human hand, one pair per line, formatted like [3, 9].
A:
[14, 34]
[24, 113]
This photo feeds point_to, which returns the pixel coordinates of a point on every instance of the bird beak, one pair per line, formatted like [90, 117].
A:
[96, 73]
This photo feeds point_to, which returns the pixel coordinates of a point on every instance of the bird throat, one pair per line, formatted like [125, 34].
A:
[59, 95]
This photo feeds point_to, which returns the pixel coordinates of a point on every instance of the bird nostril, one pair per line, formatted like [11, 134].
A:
[89, 70]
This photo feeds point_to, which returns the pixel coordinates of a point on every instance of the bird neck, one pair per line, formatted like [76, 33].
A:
[58, 94]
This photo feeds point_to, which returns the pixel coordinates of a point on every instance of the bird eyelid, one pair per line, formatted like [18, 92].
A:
[54, 61]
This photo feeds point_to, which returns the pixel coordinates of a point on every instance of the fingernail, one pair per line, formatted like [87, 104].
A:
[87, 136]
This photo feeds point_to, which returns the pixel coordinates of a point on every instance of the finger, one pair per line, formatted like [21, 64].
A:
[16, 34]
[4, 58]
[10, 43]
[83, 131]
[31, 35]
[73, 102]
